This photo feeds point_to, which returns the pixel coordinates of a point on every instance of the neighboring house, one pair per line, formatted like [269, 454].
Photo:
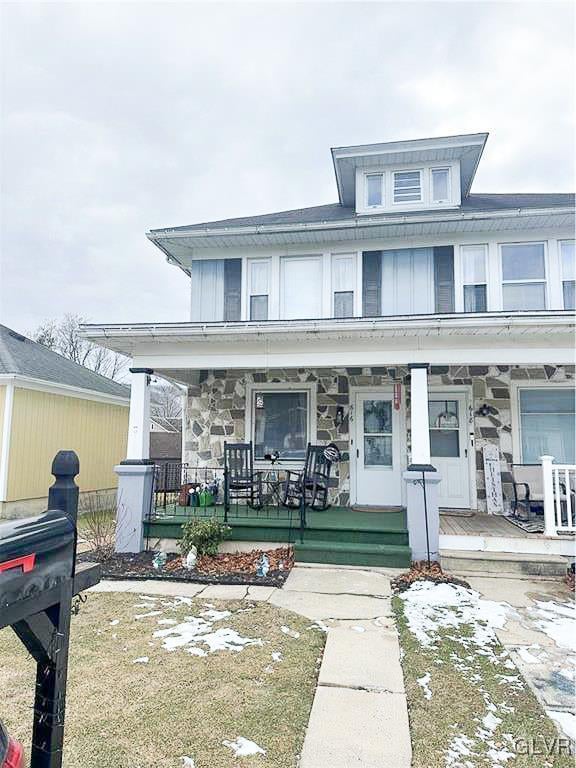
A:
[413, 322]
[49, 403]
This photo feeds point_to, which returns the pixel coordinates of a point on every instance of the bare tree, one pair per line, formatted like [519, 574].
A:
[63, 336]
[165, 401]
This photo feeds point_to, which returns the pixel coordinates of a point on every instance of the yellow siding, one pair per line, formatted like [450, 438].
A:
[44, 423]
[2, 401]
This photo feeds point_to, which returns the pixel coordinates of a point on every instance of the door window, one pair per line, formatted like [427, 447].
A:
[377, 433]
[444, 428]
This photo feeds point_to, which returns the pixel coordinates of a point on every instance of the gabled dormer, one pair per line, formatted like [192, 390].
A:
[424, 174]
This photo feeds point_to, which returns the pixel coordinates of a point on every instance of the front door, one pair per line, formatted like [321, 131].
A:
[376, 450]
[449, 448]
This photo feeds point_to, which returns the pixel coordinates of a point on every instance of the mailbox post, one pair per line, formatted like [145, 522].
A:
[38, 579]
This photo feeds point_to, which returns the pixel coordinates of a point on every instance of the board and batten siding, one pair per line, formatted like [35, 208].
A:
[44, 423]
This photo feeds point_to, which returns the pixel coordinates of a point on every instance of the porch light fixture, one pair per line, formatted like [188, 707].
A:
[484, 410]
[339, 418]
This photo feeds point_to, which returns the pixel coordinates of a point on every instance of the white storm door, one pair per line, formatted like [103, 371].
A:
[377, 450]
[449, 448]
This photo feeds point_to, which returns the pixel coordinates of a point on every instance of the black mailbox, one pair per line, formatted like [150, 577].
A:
[38, 579]
[36, 554]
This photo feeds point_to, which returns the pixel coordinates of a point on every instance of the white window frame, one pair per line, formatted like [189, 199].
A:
[459, 282]
[420, 173]
[319, 257]
[382, 204]
[561, 267]
[545, 280]
[311, 388]
[448, 170]
[249, 293]
[353, 287]
[515, 388]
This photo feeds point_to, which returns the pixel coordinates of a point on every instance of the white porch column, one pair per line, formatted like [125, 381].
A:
[136, 473]
[422, 480]
[549, 504]
[419, 421]
[139, 419]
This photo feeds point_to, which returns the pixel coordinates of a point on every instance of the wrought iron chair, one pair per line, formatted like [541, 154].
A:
[310, 485]
[241, 482]
[528, 490]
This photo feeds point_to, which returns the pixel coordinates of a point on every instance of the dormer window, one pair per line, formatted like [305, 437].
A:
[407, 186]
[374, 190]
[440, 185]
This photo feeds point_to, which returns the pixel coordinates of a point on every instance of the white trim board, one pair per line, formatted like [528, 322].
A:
[306, 386]
[535, 545]
[27, 382]
[5, 437]
[515, 388]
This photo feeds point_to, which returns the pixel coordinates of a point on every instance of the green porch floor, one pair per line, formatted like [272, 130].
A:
[338, 535]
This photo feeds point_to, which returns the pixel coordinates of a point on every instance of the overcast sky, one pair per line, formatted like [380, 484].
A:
[119, 118]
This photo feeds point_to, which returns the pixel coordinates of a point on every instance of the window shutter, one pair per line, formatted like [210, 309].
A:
[444, 278]
[232, 288]
[372, 283]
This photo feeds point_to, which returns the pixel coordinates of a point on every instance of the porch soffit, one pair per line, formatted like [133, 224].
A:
[547, 337]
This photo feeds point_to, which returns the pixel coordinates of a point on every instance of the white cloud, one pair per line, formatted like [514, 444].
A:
[118, 118]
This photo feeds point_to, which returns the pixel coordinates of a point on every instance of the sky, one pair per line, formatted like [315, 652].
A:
[118, 118]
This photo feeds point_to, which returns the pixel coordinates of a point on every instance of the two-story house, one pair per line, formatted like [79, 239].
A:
[412, 323]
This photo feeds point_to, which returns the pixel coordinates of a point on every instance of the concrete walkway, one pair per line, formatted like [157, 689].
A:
[541, 637]
[359, 716]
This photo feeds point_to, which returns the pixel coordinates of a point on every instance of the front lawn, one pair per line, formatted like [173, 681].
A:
[468, 705]
[156, 680]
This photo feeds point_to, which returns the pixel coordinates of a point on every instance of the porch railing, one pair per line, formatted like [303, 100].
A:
[559, 484]
[184, 492]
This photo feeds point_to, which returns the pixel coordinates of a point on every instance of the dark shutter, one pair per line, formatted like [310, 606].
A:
[444, 278]
[232, 288]
[371, 283]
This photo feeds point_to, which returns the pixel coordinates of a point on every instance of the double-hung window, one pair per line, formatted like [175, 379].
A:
[523, 276]
[259, 288]
[440, 178]
[473, 263]
[281, 422]
[407, 186]
[374, 190]
[568, 273]
[547, 418]
[216, 290]
[343, 282]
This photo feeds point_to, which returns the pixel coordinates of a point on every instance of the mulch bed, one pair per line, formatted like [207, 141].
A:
[224, 568]
[419, 571]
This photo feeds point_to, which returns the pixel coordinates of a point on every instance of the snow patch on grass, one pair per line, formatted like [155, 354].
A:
[244, 747]
[197, 631]
[141, 660]
[423, 683]
[290, 632]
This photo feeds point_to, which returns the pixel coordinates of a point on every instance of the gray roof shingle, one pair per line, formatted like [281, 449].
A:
[336, 212]
[24, 357]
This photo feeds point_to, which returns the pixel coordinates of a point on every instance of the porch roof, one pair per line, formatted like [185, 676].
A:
[491, 337]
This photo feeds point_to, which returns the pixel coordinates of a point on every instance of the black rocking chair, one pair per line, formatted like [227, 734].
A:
[241, 482]
[310, 485]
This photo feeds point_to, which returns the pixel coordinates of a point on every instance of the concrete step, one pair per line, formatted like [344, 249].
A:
[350, 553]
[503, 563]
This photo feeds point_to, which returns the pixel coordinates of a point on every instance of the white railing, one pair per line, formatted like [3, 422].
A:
[559, 483]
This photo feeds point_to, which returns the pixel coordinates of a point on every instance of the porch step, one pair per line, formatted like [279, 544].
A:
[503, 564]
[350, 553]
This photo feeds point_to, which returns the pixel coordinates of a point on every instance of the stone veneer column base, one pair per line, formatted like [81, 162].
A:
[133, 502]
[415, 516]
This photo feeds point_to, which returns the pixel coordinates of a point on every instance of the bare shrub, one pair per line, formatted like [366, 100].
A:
[97, 522]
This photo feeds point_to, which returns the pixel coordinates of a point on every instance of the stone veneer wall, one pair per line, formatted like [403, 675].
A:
[216, 409]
